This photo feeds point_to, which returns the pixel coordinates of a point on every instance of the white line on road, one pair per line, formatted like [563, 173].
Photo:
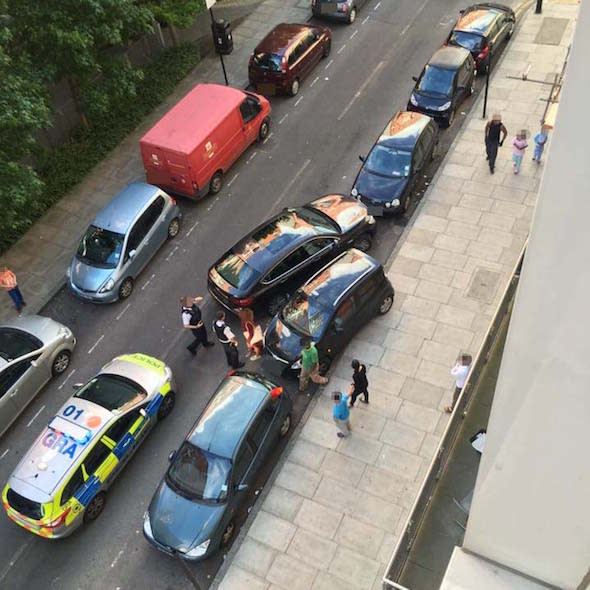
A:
[365, 20]
[17, 555]
[117, 558]
[291, 183]
[405, 29]
[4, 454]
[68, 377]
[377, 5]
[167, 259]
[298, 101]
[252, 156]
[267, 138]
[190, 231]
[35, 416]
[361, 90]
[317, 78]
[96, 344]
[147, 282]
[283, 118]
[353, 34]
[329, 64]
[341, 49]
[234, 177]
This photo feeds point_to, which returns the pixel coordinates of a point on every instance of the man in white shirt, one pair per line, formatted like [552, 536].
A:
[460, 372]
[228, 340]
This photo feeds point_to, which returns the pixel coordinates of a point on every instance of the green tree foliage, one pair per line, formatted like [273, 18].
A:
[179, 13]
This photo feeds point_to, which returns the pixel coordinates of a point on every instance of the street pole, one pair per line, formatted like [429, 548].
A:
[539, 7]
[220, 54]
[485, 96]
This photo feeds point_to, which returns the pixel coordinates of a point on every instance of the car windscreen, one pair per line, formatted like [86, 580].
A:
[306, 315]
[236, 272]
[101, 247]
[469, 41]
[267, 61]
[113, 392]
[197, 473]
[388, 161]
[14, 343]
[436, 81]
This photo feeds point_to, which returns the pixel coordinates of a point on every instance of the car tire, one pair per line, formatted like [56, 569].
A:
[327, 49]
[386, 304]
[276, 303]
[294, 87]
[167, 405]
[264, 129]
[285, 426]
[216, 183]
[126, 288]
[173, 228]
[94, 508]
[363, 243]
[435, 150]
[61, 362]
[352, 15]
[227, 534]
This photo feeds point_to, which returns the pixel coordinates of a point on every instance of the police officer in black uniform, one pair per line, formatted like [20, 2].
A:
[191, 320]
[228, 340]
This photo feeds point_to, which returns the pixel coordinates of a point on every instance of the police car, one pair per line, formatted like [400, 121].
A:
[61, 481]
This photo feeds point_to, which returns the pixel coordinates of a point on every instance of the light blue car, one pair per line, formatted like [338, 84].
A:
[121, 240]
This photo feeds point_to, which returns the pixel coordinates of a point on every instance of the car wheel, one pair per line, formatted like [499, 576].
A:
[95, 507]
[294, 87]
[228, 533]
[264, 129]
[60, 363]
[276, 303]
[325, 365]
[173, 228]
[363, 243]
[216, 183]
[126, 288]
[285, 426]
[352, 15]
[327, 49]
[386, 304]
[435, 150]
[167, 405]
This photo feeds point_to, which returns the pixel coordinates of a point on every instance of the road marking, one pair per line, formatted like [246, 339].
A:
[353, 34]
[35, 416]
[4, 454]
[365, 20]
[68, 377]
[167, 258]
[234, 177]
[267, 138]
[147, 282]
[190, 231]
[117, 558]
[341, 49]
[361, 90]
[96, 344]
[17, 555]
[291, 183]
[317, 78]
[329, 64]
[298, 101]
[377, 5]
[415, 17]
[252, 156]
[283, 118]
[210, 207]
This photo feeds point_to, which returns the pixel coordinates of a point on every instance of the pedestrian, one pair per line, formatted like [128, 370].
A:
[341, 413]
[252, 333]
[540, 140]
[9, 284]
[360, 383]
[459, 372]
[228, 339]
[519, 145]
[191, 320]
[492, 139]
[310, 366]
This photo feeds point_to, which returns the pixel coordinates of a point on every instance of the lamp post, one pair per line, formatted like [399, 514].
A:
[485, 96]
[539, 7]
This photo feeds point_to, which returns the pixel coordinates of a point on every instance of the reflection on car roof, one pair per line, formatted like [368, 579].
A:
[448, 57]
[477, 21]
[404, 130]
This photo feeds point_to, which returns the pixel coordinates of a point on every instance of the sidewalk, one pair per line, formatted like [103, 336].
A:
[331, 516]
[40, 258]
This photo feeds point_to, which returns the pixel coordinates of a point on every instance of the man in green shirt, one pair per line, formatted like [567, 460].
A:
[310, 366]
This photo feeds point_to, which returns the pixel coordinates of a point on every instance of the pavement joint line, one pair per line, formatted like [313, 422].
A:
[298, 101]
[353, 34]
[365, 20]
[341, 49]
[129, 304]
[311, 85]
[69, 376]
[96, 344]
[360, 90]
[291, 183]
[190, 231]
[4, 453]
[36, 415]
[329, 64]
[283, 118]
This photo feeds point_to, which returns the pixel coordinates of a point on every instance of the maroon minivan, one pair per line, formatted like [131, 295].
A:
[286, 56]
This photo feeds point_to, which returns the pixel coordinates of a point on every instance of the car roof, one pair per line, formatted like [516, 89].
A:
[228, 414]
[449, 58]
[122, 210]
[281, 38]
[145, 370]
[45, 329]
[404, 130]
[477, 19]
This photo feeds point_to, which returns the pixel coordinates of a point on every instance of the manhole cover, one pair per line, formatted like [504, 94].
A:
[484, 284]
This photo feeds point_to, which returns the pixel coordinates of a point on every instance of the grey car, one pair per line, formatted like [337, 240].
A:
[121, 240]
[32, 350]
[343, 10]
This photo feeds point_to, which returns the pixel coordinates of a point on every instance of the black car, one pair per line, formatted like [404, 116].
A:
[388, 174]
[481, 29]
[330, 309]
[445, 82]
[345, 10]
[263, 268]
[192, 512]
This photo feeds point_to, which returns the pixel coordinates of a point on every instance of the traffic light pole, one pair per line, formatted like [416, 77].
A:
[220, 54]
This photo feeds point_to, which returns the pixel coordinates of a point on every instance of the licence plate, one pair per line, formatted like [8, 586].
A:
[374, 210]
[266, 88]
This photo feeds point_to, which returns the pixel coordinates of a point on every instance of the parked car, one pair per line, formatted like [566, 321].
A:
[330, 309]
[121, 240]
[33, 349]
[389, 173]
[481, 29]
[263, 268]
[346, 10]
[445, 82]
[286, 56]
[192, 512]
[193, 145]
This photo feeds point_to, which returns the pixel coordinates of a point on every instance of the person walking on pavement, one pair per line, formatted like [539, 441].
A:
[341, 413]
[9, 283]
[519, 145]
[459, 372]
[540, 140]
[492, 139]
[310, 366]
[228, 340]
[191, 320]
[360, 383]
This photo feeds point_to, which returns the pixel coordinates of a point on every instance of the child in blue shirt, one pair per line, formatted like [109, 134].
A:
[540, 141]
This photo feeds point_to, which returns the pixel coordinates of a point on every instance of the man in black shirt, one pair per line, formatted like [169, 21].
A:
[492, 139]
[191, 320]
[360, 383]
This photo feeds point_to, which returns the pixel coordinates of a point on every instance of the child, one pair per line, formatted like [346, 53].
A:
[540, 141]
[519, 145]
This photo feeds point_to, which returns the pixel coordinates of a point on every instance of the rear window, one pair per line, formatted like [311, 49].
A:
[24, 506]
[268, 61]
[112, 392]
[236, 271]
[469, 41]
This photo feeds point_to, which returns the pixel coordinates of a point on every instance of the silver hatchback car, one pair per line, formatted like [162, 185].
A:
[120, 242]
[32, 350]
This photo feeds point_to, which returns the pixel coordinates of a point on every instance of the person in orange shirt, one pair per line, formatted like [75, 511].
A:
[9, 284]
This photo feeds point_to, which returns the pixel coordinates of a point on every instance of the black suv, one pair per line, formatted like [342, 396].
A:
[388, 175]
[330, 309]
[445, 82]
[344, 10]
[481, 29]
[263, 268]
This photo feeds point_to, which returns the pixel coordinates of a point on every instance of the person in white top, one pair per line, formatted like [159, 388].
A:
[460, 372]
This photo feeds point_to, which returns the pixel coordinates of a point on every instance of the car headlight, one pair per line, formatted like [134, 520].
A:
[296, 364]
[68, 272]
[199, 549]
[370, 219]
[444, 107]
[354, 192]
[64, 332]
[395, 203]
[147, 525]
[413, 100]
[387, 205]
[107, 286]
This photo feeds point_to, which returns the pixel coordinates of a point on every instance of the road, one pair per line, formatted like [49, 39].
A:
[313, 149]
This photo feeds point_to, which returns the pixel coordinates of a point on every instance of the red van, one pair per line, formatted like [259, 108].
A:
[193, 145]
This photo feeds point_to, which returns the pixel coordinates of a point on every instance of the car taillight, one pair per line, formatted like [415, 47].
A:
[483, 53]
[173, 200]
[284, 64]
[60, 520]
[245, 302]
[342, 7]
[276, 392]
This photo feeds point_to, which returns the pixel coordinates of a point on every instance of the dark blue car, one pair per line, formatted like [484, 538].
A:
[404, 148]
[192, 512]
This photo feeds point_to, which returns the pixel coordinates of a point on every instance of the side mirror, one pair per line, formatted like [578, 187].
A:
[415, 78]
[241, 487]
[143, 412]
[34, 363]
[171, 456]
[362, 158]
[131, 253]
[77, 385]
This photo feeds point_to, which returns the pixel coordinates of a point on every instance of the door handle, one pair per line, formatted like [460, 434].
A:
[14, 393]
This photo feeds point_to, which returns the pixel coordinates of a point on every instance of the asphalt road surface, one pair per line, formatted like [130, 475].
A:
[313, 150]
